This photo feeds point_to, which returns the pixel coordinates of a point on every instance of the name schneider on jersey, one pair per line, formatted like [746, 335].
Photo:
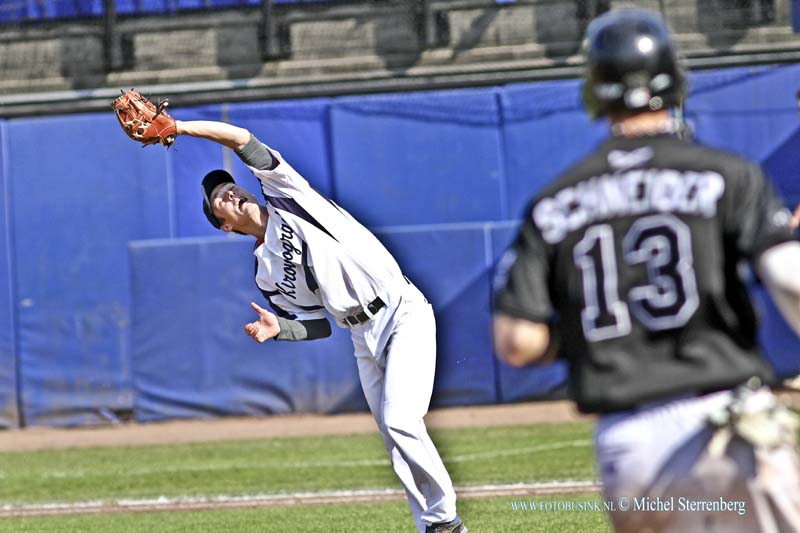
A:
[626, 193]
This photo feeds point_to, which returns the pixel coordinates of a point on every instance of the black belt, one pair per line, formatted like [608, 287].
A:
[359, 318]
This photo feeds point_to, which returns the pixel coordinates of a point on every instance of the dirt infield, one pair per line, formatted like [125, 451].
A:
[38, 438]
[133, 434]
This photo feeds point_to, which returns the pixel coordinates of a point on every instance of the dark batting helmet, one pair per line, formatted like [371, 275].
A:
[631, 64]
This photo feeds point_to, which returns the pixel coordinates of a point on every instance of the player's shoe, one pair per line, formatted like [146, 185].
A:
[456, 525]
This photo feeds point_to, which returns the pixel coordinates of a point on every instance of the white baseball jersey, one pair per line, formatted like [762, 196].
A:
[316, 256]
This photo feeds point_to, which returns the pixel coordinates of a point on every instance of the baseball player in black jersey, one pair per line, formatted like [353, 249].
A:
[628, 266]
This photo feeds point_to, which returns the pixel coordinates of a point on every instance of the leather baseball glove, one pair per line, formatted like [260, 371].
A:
[142, 120]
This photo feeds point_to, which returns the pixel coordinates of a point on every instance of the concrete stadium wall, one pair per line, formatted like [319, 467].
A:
[118, 299]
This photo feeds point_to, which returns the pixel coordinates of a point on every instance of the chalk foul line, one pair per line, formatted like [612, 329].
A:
[284, 500]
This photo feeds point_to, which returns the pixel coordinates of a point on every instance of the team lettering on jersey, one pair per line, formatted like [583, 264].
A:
[287, 286]
[631, 192]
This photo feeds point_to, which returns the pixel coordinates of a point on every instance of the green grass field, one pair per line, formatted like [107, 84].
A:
[474, 456]
[490, 515]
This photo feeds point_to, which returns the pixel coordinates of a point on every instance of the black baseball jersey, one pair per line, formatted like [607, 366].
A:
[633, 257]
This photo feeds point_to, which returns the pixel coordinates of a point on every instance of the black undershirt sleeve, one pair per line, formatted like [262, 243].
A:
[256, 155]
[521, 279]
[758, 216]
[303, 330]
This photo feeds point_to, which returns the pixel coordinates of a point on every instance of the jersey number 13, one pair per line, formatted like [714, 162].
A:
[663, 245]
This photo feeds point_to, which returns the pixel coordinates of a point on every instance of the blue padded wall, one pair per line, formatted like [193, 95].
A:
[191, 357]
[129, 7]
[298, 130]
[750, 111]
[764, 129]
[189, 160]
[204, 365]
[434, 173]
[418, 158]
[779, 342]
[9, 416]
[449, 267]
[13, 12]
[545, 130]
[73, 210]
[782, 165]
[50, 9]
[761, 123]
[54, 9]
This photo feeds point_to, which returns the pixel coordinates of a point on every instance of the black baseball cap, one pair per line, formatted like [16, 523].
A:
[210, 182]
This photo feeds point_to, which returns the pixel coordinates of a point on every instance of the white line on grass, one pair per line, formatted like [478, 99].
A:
[462, 458]
[582, 443]
[283, 500]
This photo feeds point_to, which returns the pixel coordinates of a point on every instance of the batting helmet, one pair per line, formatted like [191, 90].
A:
[631, 64]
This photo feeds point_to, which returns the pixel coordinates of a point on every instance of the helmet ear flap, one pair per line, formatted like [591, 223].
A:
[590, 103]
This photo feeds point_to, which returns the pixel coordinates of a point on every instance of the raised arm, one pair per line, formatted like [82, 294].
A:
[247, 147]
[226, 134]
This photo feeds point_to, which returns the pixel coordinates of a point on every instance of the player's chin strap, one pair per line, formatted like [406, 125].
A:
[682, 129]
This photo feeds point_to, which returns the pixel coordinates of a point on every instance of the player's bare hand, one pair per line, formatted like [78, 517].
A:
[265, 328]
[795, 219]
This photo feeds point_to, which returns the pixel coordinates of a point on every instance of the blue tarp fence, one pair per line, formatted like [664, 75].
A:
[117, 296]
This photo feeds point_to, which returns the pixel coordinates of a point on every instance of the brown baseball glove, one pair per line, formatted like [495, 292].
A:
[142, 120]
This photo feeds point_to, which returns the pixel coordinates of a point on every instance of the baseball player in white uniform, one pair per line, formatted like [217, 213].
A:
[313, 256]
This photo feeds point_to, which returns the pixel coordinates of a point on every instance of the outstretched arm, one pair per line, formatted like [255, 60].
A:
[246, 146]
[226, 134]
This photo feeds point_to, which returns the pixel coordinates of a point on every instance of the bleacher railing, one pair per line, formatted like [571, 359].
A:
[331, 29]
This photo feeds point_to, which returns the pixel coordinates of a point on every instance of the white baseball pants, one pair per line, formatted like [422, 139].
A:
[657, 460]
[398, 389]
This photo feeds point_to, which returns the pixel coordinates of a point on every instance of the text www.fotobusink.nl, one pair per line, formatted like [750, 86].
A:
[625, 504]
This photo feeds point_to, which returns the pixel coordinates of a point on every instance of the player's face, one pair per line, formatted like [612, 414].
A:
[232, 205]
